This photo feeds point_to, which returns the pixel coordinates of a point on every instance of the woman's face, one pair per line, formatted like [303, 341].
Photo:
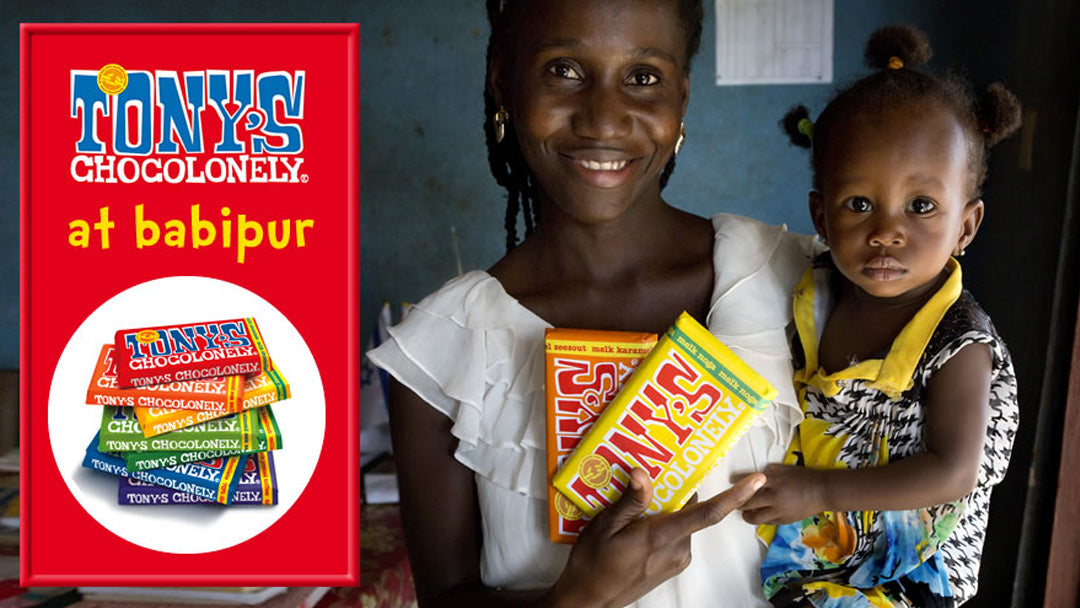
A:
[596, 94]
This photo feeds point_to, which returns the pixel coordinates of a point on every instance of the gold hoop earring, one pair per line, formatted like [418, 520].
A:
[499, 121]
[682, 137]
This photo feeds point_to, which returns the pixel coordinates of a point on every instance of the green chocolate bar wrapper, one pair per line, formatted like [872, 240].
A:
[146, 461]
[239, 433]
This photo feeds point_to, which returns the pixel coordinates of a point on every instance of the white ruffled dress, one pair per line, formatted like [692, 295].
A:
[477, 355]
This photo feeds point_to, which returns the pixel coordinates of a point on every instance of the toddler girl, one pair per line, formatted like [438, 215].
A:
[908, 391]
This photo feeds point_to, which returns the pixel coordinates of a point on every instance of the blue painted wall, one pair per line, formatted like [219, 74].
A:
[423, 165]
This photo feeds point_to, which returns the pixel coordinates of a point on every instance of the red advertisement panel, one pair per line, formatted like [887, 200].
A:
[189, 190]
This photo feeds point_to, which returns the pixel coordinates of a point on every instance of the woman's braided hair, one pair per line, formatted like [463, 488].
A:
[507, 163]
[897, 52]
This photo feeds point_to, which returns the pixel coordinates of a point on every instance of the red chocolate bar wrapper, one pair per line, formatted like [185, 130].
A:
[174, 353]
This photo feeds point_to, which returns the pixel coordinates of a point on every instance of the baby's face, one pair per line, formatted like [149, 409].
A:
[893, 204]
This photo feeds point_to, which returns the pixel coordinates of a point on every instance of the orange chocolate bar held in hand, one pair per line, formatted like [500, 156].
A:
[584, 370]
[678, 414]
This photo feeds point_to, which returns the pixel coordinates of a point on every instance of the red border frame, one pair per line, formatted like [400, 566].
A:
[351, 574]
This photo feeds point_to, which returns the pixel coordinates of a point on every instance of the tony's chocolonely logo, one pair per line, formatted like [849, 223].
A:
[163, 126]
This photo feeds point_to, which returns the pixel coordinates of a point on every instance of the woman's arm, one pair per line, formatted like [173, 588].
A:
[618, 558]
[439, 508]
[956, 415]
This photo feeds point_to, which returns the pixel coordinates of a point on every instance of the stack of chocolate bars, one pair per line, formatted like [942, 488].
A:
[186, 414]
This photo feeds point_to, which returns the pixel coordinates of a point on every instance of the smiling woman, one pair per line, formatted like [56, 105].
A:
[584, 115]
[507, 164]
[597, 100]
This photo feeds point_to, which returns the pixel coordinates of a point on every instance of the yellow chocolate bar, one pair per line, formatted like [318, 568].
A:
[684, 407]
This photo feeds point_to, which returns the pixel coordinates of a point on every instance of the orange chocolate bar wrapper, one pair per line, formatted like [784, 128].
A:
[219, 394]
[684, 407]
[584, 370]
[267, 387]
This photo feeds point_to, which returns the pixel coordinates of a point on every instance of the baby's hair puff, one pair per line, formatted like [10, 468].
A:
[799, 127]
[1001, 112]
[898, 53]
[897, 42]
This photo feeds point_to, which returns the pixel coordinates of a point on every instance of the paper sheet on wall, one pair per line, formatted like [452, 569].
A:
[774, 41]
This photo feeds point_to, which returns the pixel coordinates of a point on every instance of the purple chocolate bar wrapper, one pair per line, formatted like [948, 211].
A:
[249, 489]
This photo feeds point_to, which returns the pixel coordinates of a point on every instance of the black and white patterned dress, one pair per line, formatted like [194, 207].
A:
[871, 414]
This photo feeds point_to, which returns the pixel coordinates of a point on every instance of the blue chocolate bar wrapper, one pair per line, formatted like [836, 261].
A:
[258, 473]
[214, 480]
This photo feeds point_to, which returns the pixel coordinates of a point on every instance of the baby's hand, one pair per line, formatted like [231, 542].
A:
[790, 494]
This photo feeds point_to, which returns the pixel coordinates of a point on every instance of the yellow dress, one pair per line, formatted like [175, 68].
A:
[871, 414]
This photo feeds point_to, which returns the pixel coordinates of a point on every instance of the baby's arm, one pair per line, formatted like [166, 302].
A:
[956, 415]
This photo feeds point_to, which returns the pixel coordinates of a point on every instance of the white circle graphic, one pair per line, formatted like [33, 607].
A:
[185, 529]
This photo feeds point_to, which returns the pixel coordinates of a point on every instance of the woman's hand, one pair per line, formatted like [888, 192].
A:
[621, 556]
[790, 494]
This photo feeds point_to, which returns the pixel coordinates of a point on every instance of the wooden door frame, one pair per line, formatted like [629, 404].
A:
[1063, 568]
